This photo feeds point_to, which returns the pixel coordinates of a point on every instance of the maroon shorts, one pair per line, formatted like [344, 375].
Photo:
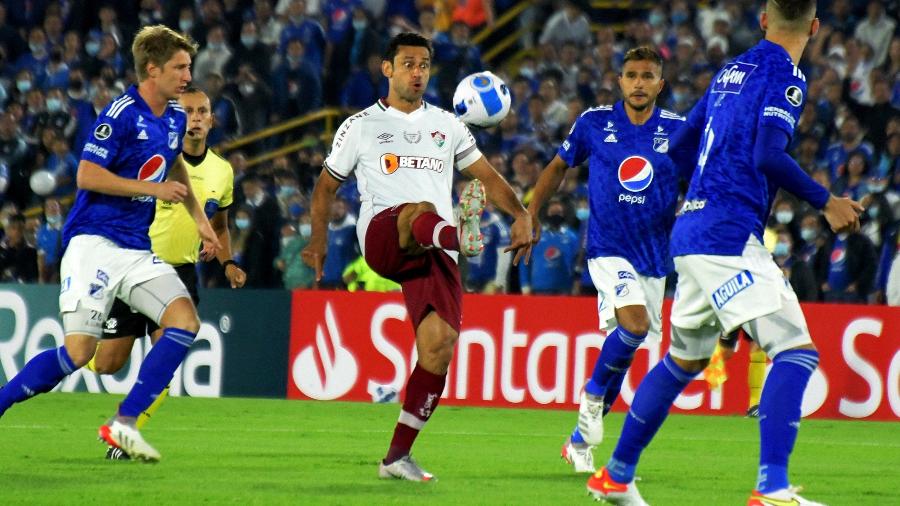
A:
[430, 281]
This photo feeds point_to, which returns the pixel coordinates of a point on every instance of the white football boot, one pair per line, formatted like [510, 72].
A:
[404, 468]
[580, 456]
[129, 440]
[590, 419]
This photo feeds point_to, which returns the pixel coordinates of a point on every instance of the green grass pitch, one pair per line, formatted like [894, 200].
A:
[255, 451]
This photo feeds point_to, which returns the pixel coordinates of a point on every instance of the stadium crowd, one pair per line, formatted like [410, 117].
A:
[265, 61]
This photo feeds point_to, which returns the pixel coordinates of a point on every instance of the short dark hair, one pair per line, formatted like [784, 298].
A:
[793, 10]
[643, 53]
[406, 39]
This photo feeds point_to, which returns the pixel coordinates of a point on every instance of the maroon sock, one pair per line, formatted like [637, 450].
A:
[423, 393]
[424, 227]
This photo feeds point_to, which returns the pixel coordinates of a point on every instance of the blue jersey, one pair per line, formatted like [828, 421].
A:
[729, 198]
[632, 182]
[131, 142]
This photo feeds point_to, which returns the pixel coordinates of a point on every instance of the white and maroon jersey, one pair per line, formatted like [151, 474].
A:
[401, 158]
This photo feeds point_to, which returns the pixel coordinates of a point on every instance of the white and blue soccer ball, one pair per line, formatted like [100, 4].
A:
[482, 99]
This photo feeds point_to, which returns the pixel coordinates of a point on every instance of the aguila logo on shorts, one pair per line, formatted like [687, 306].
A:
[391, 162]
[153, 170]
[635, 173]
[326, 370]
[732, 287]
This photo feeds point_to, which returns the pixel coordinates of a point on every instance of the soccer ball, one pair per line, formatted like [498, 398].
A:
[481, 99]
[42, 182]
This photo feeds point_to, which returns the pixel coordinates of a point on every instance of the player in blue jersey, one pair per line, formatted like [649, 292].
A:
[727, 279]
[633, 188]
[132, 158]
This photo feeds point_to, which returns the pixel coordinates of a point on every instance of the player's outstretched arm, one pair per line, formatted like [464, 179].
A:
[323, 195]
[92, 177]
[236, 276]
[547, 185]
[211, 244]
[503, 196]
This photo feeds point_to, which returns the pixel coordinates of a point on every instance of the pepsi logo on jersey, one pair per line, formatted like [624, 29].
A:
[635, 173]
[153, 170]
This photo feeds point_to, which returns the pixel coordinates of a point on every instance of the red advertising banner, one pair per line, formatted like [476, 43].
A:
[536, 352]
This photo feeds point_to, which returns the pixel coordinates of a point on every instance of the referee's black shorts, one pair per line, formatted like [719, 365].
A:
[123, 322]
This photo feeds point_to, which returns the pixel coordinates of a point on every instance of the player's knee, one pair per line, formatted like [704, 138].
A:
[692, 366]
[637, 326]
[80, 355]
[634, 319]
[181, 315]
[107, 365]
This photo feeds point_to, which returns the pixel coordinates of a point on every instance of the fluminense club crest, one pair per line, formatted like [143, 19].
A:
[438, 137]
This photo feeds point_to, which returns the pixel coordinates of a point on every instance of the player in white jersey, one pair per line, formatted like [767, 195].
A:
[405, 153]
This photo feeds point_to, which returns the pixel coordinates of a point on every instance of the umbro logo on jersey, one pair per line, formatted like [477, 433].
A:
[385, 138]
[610, 127]
[142, 136]
[611, 138]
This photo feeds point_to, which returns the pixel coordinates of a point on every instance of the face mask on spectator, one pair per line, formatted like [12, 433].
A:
[36, 48]
[257, 200]
[873, 212]
[185, 24]
[92, 47]
[23, 86]
[582, 213]
[215, 46]
[359, 24]
[54, 104]
[285, 241]
[286, 191]
[878, 187]
[679, 97]
[247, 88]
[781, 249]
[784, 217]
[656, 19]
[808, 234]
[53, 219]
[305, 229]
[248, 40]
[242, 223]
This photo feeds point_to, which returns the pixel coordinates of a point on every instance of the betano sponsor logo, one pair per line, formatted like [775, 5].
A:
[390, 163]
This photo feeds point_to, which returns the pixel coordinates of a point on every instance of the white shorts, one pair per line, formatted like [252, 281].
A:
[717, 294]
[619, 285]
[95, 271]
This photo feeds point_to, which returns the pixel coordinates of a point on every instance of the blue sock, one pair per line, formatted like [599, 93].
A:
[576, 437]
[651, 405]
[615, 357]
[779, 415]
[41, 374]
[157, 370]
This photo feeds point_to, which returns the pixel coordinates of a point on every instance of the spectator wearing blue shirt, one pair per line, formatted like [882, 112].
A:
[37, 57]
[365, 86]
[342, 247]
[847, 265]
[552, 265]
[367, 39]
[62, 164]
[853, 183]
[226, 125]
[306, 30]
[298, 88]
[57, 71]
[49, 242]
[850, 140]
[456, 56]
[339, 40]
[487, 272]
